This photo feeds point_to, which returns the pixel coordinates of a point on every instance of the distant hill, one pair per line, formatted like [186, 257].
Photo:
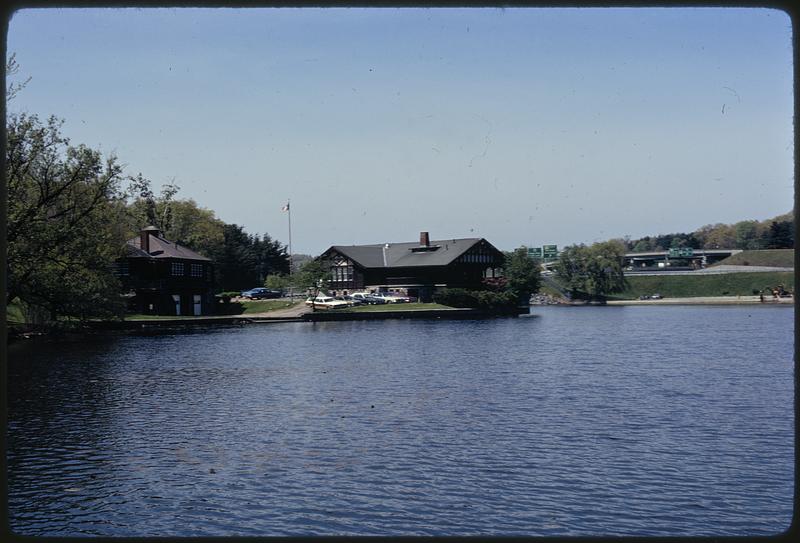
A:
[780, 258]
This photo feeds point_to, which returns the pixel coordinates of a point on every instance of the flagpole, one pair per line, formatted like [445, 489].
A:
[289, 210]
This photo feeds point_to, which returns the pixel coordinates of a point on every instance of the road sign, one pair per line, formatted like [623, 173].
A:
[550, 252]
[535, 252]
[679, 252]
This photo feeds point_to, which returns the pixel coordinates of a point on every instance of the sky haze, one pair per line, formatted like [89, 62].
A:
[523, 126]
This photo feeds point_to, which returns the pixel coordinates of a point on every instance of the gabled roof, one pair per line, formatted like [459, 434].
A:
[161, 248]
[395, 255]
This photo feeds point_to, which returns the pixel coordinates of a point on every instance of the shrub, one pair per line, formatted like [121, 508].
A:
[479, 299]
[455, 297]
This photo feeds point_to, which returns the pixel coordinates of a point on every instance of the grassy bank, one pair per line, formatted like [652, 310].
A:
[230, 309]
[782, 258]
[686, 286]
[395, 307]
[264, 306]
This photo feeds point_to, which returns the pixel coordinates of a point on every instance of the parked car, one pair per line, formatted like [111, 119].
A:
[656, 297]
[350, 300]
[260, 293]
[368, 298]
[392, 298]
[326, 302]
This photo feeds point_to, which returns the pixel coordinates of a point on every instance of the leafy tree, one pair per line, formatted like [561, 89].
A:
[277, 282]
[236, 263]
[643, 245]
[780, 235]
[195, 227]
[312, 277]
[718, 236]
[747, 235]
[522, 274]
[62, 227]
[147, 209]
[13, 88]
[272, 257]
[595, 270]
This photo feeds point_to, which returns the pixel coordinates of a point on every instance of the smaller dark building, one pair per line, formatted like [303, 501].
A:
[161, 277]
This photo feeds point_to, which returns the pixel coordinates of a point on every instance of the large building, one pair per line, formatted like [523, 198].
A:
[164, 278]
[413, 268]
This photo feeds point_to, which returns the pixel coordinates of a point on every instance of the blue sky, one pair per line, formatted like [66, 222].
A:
[523, 126]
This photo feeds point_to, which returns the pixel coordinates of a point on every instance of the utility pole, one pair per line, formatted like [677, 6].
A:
[288, 209]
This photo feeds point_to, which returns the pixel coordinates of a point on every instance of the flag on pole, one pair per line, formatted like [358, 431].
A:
[286, 207]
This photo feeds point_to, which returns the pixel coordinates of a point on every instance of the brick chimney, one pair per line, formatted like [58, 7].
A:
[424, 240]
[144, 237]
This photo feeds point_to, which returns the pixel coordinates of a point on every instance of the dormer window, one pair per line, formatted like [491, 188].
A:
[425, 248]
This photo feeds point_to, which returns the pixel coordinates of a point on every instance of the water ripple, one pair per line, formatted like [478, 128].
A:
[598, 421]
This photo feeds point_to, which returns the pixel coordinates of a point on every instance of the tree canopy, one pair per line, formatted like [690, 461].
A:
[70, 210]
[522, 274]
[595, 270]
[775, 233]
[242, 260]
[63, 224]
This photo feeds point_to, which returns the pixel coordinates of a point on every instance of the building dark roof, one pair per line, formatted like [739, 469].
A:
[395, 255]
[161, 248]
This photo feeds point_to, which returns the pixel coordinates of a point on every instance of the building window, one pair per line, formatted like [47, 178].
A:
[196, 270]
[342, 271]
[177, 268]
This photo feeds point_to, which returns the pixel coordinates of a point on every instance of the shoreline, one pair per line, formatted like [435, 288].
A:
[292, 315]
[708, 300]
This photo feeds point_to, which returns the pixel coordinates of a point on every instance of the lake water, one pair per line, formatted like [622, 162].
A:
[576, 421]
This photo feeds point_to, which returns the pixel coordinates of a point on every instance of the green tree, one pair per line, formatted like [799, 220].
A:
[272, 257]
[717, 236]
[781, 235]
[147, 209]
[236, 263]
[595, 270]
[195, 227]
[62, 228]
[522, 274]
[311, 277]
[747, 235]
[277, 282]
[642, 246]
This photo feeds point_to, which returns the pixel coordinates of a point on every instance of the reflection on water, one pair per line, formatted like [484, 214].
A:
[580, 421]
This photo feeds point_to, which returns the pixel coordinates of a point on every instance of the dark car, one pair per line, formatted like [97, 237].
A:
[260, 294]
[350, 300]
[368, 298]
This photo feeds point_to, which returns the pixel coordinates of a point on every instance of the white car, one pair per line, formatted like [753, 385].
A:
[392, 298]
[326, 302]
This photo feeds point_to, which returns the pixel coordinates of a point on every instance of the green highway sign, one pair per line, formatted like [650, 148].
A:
[678, 252]
[535, 252]
[550, 251]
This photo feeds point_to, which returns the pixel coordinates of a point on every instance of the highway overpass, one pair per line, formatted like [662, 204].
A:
[650, 261]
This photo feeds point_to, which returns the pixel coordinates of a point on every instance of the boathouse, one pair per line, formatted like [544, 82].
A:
[161, 277]
[415, 269]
